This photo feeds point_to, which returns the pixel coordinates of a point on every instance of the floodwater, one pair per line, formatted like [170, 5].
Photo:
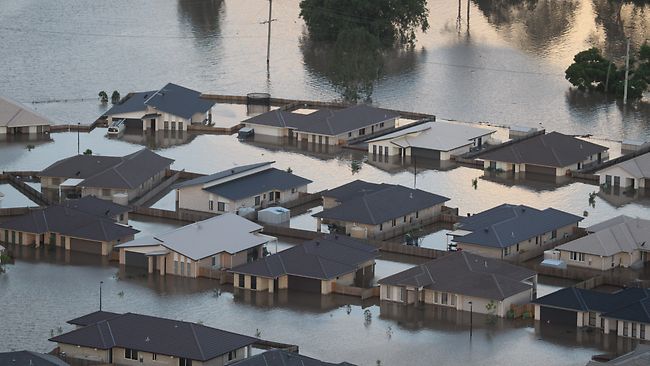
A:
[505, 66]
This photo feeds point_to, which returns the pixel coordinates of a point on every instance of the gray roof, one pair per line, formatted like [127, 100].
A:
[353, 190]
[380, 206]
[326, 121]
[507, 225]
[29, 358]
[323, 258]
[552, 150]
[639, 357]
[132, 102]
[625, 303]
[440, 136]
[620, 237]
[224, 233]
[638, 167]
[173, 99]
[277, 357]
[96, 206]
[254, 184]
[14, 114]
[157, 335]
[466, 274]
[69, 222]
[222, 174]
[92, 318]
[125, 172]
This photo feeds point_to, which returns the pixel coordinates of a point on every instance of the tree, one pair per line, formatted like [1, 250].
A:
[88, 152]
[390, 21]
[103, 97]
[589, 70]
[115, 97]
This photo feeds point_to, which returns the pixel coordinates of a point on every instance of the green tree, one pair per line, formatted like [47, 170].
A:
[115, 97]
[103, 97]
[391, 21]
[589, 70]
[88, 152]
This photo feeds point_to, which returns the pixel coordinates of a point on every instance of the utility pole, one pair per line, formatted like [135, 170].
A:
[467, 13]
[607, 80]
[78, 128]
[458, 19]
[268, 42]
[100, 295]
[627, 70]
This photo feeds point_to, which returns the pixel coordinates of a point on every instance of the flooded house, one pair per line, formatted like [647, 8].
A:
[317, 266]
[278, 357]
[432, 140]
[628, 174]
[324, 126]
[115, 178]
[514, 232]
[552, 154]
[624, 313]
[622, 241]
[171, 108]
[462, 281]
[85, 231]
[200, 249]
[30, 358]
[253, 186]
[380, 212]
[17, 119]
[131, 338]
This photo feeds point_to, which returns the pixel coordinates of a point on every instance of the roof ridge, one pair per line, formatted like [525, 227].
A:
[581, 300]
[365, 203]
[496, 282]
[196, 339]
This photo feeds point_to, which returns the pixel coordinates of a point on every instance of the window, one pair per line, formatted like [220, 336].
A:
[175, 267]
[374, 149]
[404, 218]
[381, 227]
[578, 257]
[106, 192]
[592, 319]
[184, 362]
[506, 251]
[180, 126]
[349, 134]
[517, 246]
[388, 292]
[417, 214]
[554, 234]
[608, 180]
[633, 329]
[362, 132]
[166, 124]
[642, 331]
[232, 355]
[293, 190]
[254, 282]
[444, 298]
[242, 284]
[130, 354]
[257, 200]
[394, 222]
[182, 268]
[173, 125]
[624, 329]
[537, 240]
[221, 206]
[211, 205]
[121, 217]
[381, 150]
[154, 356]
[617, 181]
[381, 124]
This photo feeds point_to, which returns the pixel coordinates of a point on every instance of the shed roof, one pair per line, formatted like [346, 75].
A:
[157, 335]
[577, 299]
[96, 206]
[277, 357]
[224, 233]
[552, 149]
[222, 174]
[507, 225]
[14, 114]
[467, 274]
[380, 206]
[325, 121]
[254, 184]
[124, 172]
[92, 318]
[323, 258]
[353, 190]
[132, 102]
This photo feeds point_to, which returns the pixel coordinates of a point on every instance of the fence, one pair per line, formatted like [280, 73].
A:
[595, 167]
[363, 293]
[215, 130]
[182, 215]
[14, 211]
[275, 230]
[156, 190]
[538, 251]
[25, 189]
[521, 311]
[473, 154]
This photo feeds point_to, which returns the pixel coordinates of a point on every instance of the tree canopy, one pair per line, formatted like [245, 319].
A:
[390, 21]
[591, 71]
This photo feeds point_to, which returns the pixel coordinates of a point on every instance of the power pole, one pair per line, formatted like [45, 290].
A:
[78, 129]
[268, 42]
[607, 80]
[627, 70]
[458, 19]
[467, 13]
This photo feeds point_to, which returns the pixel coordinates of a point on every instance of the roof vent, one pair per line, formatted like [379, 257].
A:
[485, 264]
[317, 243]
[145, 96]
[486, 230]
[411, 195]
[513, 234]
[147, 339]
[77, 173]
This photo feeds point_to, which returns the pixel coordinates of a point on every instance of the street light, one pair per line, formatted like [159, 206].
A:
[471, 313]
[100, 295]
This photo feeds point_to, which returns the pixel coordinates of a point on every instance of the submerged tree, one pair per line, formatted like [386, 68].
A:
[115, 97]
[103, 97]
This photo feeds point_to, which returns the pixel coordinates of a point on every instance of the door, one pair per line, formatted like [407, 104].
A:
[152, 124]
[304, 284]
[138, 260]
[558, 316]
[85, 246]
[425, 153]
[536, 169]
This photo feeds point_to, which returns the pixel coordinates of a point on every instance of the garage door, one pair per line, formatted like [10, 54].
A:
[136, 260]
[425, 153]
[132, 123]
[86, 246]
[304, 284]
[557, 316]
[536, 169]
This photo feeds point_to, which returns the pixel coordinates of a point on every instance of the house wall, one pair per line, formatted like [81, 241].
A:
[268, 130]
[84, 353]
[197, 199]
[616, 171]
[632, 333]
[375, 231]
[601, 263]
[508, 167]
